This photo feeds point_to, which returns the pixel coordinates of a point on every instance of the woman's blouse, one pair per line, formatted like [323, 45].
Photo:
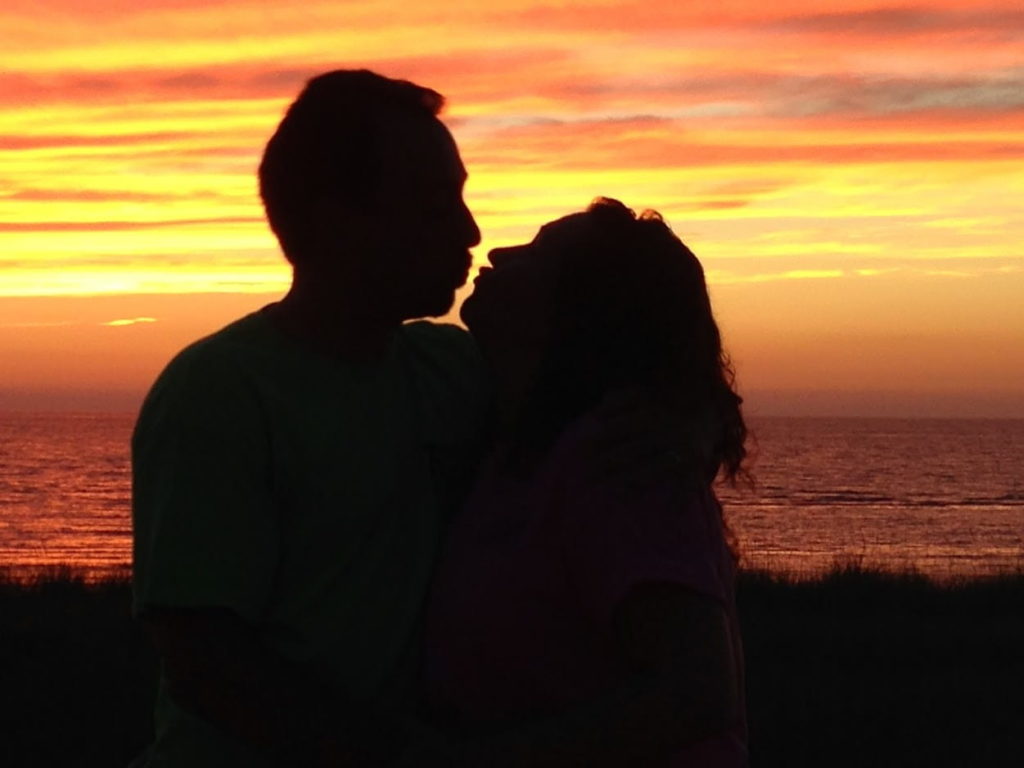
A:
[519, 622]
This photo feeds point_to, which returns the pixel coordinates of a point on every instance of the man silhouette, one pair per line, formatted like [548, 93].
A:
[291, 471]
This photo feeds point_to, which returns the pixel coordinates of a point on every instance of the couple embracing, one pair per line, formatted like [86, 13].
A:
[363, 541]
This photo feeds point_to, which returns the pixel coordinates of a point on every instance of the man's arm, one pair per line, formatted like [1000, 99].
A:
[217, 667]
[205, 551]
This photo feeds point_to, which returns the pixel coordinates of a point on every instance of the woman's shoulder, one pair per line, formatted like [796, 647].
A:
[594, 453]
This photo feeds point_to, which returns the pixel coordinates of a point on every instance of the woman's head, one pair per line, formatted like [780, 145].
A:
[605, 300]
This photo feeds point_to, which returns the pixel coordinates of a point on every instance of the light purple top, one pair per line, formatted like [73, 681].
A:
[519, 622]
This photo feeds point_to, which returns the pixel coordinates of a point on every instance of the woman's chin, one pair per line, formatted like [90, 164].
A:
[471, 311]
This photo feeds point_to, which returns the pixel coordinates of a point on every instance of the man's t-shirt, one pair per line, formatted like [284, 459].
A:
[305, 494]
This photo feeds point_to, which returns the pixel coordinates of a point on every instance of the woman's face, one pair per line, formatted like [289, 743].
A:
[509, 311]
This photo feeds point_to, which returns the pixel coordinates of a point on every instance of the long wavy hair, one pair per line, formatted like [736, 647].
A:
[631, 311]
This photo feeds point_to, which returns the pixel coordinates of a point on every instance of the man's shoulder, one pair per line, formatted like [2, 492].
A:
[218, 362]
[251, 331]
[247, 336]
[447, 367]
[443, 343]
[429, 332]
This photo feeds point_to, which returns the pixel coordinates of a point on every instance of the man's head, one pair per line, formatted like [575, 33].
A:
[362, 185]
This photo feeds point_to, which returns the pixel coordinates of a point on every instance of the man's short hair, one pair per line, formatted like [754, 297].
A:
[328, 145]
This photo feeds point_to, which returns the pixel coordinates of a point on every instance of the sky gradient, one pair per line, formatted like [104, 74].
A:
[851, 178]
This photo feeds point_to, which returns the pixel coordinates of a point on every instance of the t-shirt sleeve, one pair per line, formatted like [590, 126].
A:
[204, 525]
[612, 542]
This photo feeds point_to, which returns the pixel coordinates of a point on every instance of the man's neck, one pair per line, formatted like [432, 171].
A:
[332, 328]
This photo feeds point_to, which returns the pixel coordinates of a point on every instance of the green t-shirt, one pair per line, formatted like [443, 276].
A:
[304, 493]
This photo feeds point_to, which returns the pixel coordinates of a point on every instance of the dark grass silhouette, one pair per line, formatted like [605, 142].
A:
[855, 668]
[865, 668]
[77, 676]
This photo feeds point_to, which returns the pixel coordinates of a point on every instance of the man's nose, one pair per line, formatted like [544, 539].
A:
[472, 231]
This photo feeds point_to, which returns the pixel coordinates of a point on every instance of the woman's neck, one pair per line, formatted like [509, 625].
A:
[513, 381]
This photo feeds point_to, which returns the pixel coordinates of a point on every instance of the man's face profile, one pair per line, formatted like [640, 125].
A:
[419, 230]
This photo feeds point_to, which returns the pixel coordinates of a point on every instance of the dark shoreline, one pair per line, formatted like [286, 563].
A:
[852, 668]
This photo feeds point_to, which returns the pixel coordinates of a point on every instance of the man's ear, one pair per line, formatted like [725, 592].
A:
[332, 227]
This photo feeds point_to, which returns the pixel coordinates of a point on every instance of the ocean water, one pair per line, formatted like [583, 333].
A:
[943, 496]
[65, 491]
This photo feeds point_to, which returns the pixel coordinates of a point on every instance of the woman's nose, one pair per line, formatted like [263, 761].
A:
[499, 256]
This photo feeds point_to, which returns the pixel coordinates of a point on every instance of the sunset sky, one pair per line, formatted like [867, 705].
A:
[850, 173]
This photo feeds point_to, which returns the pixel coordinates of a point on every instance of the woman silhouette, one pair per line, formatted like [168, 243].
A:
[574, 622]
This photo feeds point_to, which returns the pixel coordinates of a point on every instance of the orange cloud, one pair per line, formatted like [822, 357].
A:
[116, 226]
[876, 149]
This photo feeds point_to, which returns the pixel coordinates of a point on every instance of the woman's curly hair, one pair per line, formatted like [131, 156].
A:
[631, 310]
